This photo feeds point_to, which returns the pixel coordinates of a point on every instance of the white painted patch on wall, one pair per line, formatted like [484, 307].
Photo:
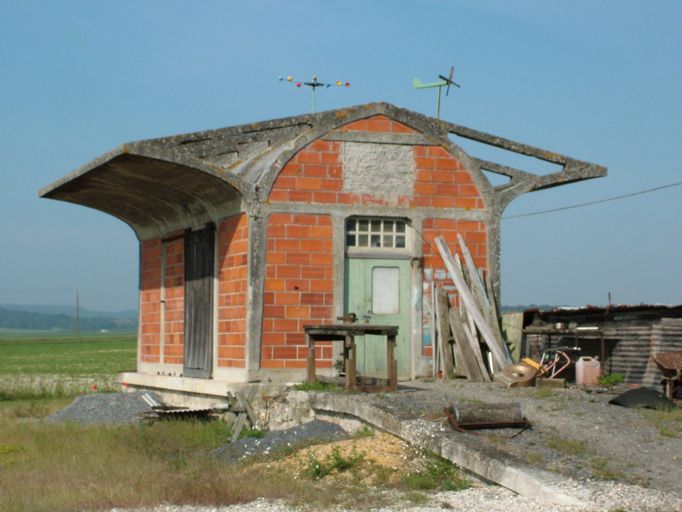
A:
[385, 170]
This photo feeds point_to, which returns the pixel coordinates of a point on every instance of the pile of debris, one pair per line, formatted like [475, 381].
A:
[468, 339]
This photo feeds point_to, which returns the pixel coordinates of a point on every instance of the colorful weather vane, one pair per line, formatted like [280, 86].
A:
[314, 84]
[443, 82]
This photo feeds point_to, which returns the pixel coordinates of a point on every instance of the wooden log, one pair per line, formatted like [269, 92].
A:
[479, 414]
[238, 426]
[467, 298]
[442, 307]
[246, 407]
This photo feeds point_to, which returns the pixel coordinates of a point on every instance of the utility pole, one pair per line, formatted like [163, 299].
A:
[78, 311]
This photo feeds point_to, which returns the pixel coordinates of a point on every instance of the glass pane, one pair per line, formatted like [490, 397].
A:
[388, 241]
[362, 241]
[376, 240]
[400, 227]
[350, 240]
[350, 224]
[385, 290]
[400, 242]
[388, 226]
[376, 226]
[362, 224]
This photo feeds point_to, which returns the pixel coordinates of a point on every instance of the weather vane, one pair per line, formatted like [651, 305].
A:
[443, 82]
[314, 84]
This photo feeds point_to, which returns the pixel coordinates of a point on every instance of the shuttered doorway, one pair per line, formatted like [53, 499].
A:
[199, 269]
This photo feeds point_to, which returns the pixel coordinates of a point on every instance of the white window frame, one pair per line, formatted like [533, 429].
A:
[381, 232]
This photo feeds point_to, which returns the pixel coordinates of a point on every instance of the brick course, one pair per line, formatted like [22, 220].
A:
[298, 288]
[174, 339]
[233, 246]
[150, 305]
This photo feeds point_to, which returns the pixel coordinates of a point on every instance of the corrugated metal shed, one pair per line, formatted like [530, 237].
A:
[632, 334]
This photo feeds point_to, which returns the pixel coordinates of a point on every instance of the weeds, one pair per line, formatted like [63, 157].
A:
[439, 474]
[542, 393]
[335, 462]
[668, 423]
[612, 379]
[364, 432]
[567, 446]
[600, 469]
[317, 386]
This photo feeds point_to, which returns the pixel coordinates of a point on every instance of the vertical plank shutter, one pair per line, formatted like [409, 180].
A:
[199, 268]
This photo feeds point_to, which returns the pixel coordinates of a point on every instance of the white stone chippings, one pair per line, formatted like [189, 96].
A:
[603, 496]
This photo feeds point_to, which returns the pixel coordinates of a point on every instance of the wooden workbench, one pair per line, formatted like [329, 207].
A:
[347, 333]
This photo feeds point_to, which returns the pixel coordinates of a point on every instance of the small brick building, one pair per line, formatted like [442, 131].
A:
[248, 233]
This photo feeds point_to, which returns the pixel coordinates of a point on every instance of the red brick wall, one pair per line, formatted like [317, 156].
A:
[150, 305]
[175, 302]
[298, 288]
[315, 175]
[233, 248]
[473, 232]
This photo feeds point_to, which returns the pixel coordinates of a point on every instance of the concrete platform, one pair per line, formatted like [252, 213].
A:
[464, 449]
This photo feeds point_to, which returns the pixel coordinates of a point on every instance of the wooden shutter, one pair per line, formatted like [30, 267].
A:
[199, 267]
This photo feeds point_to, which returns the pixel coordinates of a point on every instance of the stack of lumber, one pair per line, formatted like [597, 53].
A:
[468, 339]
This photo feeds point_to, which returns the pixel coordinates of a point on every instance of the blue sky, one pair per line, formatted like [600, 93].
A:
[596, 80]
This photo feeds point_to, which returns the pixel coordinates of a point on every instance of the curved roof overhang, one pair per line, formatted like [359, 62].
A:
[150, 192]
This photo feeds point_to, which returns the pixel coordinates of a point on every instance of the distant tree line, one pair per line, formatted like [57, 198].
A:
[45, 321]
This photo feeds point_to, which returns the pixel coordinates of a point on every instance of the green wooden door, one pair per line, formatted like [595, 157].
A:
[377, 291]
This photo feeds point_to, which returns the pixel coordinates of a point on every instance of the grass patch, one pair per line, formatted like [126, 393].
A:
[601, 469]
[439, 474]
[567, 446]
[365, 431]
[251, 432]
[317, 386]
[667, 423]
[542, 393]
[612, 379]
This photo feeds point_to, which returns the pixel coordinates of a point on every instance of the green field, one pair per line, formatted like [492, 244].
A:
[84, 356]
[58, 366]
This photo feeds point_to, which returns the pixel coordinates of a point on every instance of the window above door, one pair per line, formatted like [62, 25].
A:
[378, 235]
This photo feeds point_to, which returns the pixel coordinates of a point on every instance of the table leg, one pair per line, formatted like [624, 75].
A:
[349, 361]
[391, 363]
[310, 374]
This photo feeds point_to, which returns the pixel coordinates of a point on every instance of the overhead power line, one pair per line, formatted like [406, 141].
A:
[590, 203]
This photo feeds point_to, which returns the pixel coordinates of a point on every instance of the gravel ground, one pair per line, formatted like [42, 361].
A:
[574, 433]
[110, 408]
[314, 431]
[604, 498]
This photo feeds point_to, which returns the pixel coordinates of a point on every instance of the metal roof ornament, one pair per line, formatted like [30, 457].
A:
[313, 84]
[442, 82]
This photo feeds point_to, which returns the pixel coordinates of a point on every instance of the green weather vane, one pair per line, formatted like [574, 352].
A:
[443, 82]
[314, 84]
